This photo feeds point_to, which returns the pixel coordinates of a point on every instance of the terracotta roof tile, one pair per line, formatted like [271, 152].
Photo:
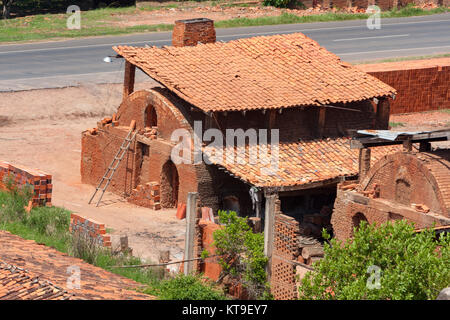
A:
[48, 264]
[19, 284]
[265, 72]
[299, 162]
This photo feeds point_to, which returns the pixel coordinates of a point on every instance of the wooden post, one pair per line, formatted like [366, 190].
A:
[128, 82]
[383, 112]
[321, 123]
[271, 118]
[407, 145]
[269, 229]
[124, 243]
[191, 217]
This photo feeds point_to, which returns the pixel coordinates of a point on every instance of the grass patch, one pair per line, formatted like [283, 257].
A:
[396, 124]
[50, 226]
[100, 22]
[435, 56]
[444, 110]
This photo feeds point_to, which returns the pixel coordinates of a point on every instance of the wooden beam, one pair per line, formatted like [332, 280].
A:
[383, 112]
[374, 141]
[128, 81]
[321, 122]
[272, 118]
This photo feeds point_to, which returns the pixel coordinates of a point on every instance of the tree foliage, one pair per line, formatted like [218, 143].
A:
[242, 253]
[390, 262]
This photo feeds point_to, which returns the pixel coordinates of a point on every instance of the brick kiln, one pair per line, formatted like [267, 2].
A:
[408, 185]
[284, 82]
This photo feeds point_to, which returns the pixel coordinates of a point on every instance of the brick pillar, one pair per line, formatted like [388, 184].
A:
[383, 112]
[364, 162]
[192, 31]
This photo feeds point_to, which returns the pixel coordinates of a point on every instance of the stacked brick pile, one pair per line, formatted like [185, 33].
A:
[192, 31]
[146, 195]
[151, 132]
[40, 182]
[89, 228]
[422, 85]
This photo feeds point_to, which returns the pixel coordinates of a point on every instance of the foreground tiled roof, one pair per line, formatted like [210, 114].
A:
[266, 72]
[299, 162]
[19, 284]
[51, 265]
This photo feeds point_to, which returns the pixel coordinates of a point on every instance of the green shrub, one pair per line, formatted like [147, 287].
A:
[48, 220]
[411, 266]
[242, 254]
[14, 200]
[184, 287]
[277, 3]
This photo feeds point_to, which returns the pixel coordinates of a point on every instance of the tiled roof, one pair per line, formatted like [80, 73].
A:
[267, 72]
[49, 264]
[299, 162]
[19, 284]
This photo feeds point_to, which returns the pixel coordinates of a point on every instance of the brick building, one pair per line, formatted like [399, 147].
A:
[287, 82]
[284, 82]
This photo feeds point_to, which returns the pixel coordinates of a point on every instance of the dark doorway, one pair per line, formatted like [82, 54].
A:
[169, 185]
[357, 219]
[151, 118]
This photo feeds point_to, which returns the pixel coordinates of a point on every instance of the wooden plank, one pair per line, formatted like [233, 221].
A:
[321, 123]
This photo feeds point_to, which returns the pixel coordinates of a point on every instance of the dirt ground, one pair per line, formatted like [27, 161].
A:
[42, 129]
[216, 13]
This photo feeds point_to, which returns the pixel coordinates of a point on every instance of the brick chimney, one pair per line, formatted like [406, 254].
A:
[192, 31]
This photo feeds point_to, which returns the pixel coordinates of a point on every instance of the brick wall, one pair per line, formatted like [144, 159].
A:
[285, 249]
[40, 182]
[89, 228]
[421, 85]
[192, 31]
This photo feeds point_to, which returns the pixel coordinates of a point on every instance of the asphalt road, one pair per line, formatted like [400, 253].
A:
[65, 63]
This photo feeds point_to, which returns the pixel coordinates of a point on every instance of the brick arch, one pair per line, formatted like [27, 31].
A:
[357, 218]
[173, 113]
[143, 105]
[413, 170]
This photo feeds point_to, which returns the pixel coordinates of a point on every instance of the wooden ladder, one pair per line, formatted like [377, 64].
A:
[114, 165]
